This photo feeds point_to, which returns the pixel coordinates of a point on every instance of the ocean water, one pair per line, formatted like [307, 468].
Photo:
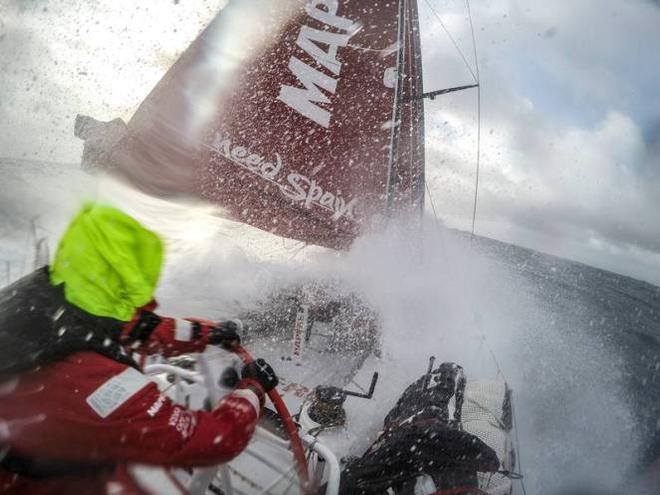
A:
[594, 397]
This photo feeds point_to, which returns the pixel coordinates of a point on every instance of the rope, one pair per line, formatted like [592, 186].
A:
[460, 52]
[297, 448]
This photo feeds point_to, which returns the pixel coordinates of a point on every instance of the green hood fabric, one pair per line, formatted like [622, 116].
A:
[108, 262]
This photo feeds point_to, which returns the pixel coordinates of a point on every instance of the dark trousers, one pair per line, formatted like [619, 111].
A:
[451, 457]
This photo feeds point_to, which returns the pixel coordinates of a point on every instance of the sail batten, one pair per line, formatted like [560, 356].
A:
[291, 115]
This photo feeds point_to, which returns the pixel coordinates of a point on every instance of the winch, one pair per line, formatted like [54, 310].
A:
[327, 404]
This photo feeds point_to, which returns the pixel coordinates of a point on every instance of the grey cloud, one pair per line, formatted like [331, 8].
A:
[549, 71]
[554, 77]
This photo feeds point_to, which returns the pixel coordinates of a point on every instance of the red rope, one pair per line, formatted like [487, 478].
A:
[291, 429]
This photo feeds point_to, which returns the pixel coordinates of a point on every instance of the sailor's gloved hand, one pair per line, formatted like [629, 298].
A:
[261, 372]
[139, 330]
[225, 335]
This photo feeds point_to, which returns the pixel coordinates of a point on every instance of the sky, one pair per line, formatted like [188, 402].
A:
[570, 127]
[570, 111]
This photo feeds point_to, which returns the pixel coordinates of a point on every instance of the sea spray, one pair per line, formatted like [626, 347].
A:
[444, 295]
[436, 294]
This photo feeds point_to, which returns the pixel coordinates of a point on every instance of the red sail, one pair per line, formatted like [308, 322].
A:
[285, 113]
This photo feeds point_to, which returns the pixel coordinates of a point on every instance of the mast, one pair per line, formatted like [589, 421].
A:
[405, 190]
[418, 157]
[392, 177]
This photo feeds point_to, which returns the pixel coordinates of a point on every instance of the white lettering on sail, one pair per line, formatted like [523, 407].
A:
[299, 188]
[328, 15]
[305, 100]
[302, 188]
[307, 41]
[241, 156]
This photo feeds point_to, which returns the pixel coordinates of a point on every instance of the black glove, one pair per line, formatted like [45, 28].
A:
[225, 335]
[144, 326]
[261, 372]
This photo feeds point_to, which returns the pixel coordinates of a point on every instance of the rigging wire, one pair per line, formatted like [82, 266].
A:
[476, 75]
[484, 341]
[458, 49]
[478, 164]
[520, 478]
[435, 213]
[474, 39]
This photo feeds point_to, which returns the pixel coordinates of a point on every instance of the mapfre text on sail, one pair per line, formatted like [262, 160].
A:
[304, 100]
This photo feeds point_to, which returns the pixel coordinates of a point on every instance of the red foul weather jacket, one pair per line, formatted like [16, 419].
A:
[88, 424]
[166, 336]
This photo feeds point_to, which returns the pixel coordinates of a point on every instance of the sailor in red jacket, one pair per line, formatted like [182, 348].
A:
[150, 334]
[76, 414]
